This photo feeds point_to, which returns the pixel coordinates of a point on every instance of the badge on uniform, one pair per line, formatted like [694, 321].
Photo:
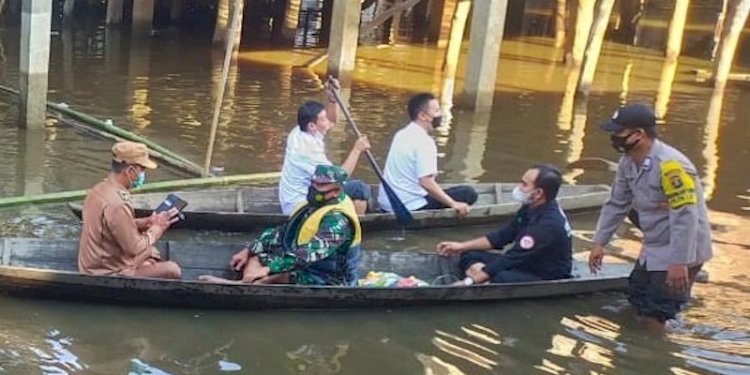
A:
[647, 164]
[124, 195]
[678, 185]
[526, 242]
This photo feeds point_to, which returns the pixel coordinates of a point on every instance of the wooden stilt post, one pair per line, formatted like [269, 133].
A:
[291, 19]
[728, 46]
[69, 6]
[560, 23]
[669, 67]
[594, 47]
[719, 27]
[584, 19]
[453, 51]
[114, 12]
[228, 53]
[225, 8]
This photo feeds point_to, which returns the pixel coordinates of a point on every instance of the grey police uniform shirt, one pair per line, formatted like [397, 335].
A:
[668, 196]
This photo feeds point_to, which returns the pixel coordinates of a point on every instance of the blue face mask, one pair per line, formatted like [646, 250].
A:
[139, 181]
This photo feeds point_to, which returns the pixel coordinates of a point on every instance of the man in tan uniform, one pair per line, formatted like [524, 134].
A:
[113, 241]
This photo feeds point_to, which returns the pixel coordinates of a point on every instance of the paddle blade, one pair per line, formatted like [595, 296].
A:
[403, 216]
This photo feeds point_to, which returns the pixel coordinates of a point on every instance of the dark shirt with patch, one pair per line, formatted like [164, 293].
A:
[542, 243]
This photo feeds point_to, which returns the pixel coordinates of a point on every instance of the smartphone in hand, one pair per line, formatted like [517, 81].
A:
[172, 201]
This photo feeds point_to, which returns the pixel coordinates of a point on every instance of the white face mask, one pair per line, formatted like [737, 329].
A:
[520, 196]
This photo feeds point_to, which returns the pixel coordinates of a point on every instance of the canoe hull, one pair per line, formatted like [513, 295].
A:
[46, 269]
[260, 208]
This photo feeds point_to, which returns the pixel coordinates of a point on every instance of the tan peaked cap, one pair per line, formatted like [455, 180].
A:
[132, 153]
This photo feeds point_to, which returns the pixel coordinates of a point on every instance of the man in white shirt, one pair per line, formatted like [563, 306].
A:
[411, 166]
[305, 149]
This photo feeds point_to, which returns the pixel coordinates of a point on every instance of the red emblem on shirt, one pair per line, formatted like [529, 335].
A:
[526, 242]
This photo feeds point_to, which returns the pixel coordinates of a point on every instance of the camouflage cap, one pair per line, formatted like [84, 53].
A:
[330, 174]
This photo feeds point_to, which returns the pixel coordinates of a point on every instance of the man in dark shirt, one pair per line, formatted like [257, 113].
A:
[540, 233]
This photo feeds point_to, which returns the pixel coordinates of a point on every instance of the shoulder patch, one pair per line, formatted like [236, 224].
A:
[526, 242]
[124, 195]
[678, 185]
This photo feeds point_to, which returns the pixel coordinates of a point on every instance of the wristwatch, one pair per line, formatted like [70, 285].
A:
[468, 281]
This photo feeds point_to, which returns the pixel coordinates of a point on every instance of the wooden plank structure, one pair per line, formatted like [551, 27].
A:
[251, 208]
[35, 268]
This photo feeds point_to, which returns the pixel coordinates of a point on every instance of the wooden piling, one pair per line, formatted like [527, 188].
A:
[291, 19]
[593, 50]
[69, 6]
[223, 11]
[114, 12]
[143, 18]
[669, 67]
[453, 50]
[584, 19]
[728, 45]
[560, 23]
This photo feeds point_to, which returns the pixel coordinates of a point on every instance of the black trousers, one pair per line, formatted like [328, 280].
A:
[649, 294]
[462, 193]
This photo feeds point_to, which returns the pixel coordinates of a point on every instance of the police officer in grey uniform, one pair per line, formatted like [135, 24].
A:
[662, 186]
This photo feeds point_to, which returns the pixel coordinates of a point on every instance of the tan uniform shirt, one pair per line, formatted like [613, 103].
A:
[111, 243]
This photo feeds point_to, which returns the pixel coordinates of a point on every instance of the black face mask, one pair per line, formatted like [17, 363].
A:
[437, 121]
[620, 143]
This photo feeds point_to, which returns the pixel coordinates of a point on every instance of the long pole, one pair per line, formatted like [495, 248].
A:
[224, 76]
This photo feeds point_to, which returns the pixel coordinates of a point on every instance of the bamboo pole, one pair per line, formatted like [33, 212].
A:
[109, 128]
[224, 75]
[67, 196]
[729, 40]
[594, 48]
[453, 51]
[669, 67]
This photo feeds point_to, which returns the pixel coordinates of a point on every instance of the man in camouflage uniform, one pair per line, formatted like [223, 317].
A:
[662, 186]
[318, 245]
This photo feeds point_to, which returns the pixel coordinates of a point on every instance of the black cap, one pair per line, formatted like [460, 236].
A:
[632, 116]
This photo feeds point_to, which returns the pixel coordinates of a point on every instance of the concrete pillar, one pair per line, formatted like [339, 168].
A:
[223, 19]
[342, 45]
[594, 48]
[36, 18]
[114, 12]
[669, 67]
[112, 48]
[143, 18]
[728, 46]
[584, 19]
[291, 19]
[487, 26]
[32, 161]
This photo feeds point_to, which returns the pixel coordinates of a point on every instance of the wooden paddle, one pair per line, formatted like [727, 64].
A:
[402, 214]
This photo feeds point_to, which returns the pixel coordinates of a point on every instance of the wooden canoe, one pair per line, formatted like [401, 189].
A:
[243, 209]
[37, 268]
